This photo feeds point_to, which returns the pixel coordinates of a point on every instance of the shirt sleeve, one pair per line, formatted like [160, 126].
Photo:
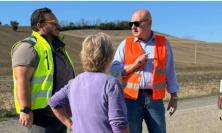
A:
[60, 98]
[117, 111]
[117, 65]
[24, 55]
[172, 85]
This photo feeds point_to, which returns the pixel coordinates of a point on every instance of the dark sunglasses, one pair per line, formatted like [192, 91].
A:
[52, 22]
[137, 23]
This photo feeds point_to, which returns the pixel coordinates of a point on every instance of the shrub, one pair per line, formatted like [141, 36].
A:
[14, 25]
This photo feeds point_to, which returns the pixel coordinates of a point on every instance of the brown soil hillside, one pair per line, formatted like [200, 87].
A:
[197, 79]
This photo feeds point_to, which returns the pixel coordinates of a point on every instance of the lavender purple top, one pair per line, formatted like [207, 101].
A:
[96, 102]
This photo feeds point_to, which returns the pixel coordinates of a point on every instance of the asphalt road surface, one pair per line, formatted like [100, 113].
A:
[196, 115]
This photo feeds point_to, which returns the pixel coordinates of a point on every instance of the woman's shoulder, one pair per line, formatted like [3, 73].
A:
[99, 76]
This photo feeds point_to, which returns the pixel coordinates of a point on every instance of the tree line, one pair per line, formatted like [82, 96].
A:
[14, 24]
[83, 24]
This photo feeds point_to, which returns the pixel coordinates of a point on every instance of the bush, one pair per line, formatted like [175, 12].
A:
[14, 25]
[83, 24]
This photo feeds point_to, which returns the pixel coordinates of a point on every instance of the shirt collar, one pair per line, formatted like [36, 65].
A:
[136, 39]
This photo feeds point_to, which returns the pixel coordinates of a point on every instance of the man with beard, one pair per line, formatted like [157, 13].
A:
[41, 66]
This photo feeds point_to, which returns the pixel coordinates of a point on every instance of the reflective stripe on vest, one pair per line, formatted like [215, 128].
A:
[41, 79]
[131, 82]
[130, 85]
[41, 94]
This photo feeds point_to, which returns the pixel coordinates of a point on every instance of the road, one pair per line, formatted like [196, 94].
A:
[196, 115]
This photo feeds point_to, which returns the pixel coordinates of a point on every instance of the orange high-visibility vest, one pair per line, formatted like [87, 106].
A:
[131, 82]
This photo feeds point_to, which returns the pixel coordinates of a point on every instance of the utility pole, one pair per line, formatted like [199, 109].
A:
[195, 54]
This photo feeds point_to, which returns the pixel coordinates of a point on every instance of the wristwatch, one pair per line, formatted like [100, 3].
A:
[174, 97]
[26, 110]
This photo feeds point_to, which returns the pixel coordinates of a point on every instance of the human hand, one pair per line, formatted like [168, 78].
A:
[141, 60]
[172, 106]
[68, 124]
[26, 119]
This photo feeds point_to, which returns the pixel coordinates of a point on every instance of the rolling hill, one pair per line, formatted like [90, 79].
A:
[197, 79]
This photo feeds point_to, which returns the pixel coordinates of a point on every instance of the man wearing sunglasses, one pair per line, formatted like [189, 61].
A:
[145, 64]
[41, 66]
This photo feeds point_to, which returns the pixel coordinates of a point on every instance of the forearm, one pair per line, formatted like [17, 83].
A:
[129, 68]
[23, 93]
[23, 76]
[140, 61]
[61, 114]
[118, 63]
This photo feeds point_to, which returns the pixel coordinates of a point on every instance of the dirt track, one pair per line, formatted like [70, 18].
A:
[198, 115]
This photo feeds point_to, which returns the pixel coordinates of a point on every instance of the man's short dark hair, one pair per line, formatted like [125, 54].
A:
[38, 17]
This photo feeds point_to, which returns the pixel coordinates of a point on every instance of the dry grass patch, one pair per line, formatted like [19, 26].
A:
[7, 108]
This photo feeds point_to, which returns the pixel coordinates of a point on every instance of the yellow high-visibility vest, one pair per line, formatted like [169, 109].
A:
[42, 80]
